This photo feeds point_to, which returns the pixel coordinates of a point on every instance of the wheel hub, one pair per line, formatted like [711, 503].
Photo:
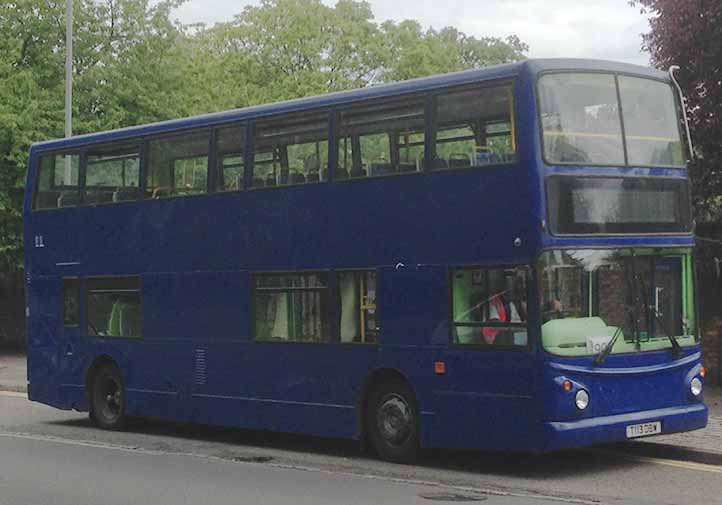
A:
[394, 420]
[112, 399]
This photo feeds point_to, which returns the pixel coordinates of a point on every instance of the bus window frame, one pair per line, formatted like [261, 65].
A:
[76, 282]
[511, 85]
[549, 228]
[218, 172]
[80, 153]
[336, 313]
[532, 316]
[669, 247]
[615, 75]
[133, 141]
[426, 99]
[145, 158]
[85, 318]
[250, 154]
[327, 313]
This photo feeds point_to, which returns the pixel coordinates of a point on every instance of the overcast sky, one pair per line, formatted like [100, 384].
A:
[607, 29]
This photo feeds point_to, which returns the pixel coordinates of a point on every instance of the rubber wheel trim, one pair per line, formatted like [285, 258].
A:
[392, 422]
[107, 398]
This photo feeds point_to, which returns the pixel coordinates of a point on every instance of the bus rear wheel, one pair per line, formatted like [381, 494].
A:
[107, 398]
[392, 424]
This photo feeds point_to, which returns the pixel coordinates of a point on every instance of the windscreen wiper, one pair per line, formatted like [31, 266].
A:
[676, 348]
[599, 359]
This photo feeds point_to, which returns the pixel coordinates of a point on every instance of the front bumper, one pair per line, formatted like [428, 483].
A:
[599, 430]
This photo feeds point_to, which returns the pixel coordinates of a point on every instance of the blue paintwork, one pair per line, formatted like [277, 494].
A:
[198, 362]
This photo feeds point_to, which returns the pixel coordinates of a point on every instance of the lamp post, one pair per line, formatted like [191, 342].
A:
[68, 85]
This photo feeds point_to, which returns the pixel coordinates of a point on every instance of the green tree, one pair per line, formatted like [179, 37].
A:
[126, 69]
[285, 49]
[414, 52]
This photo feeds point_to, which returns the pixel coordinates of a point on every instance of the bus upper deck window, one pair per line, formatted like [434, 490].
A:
[381, 139]
[291, 151]
[474, 127]
[58, 181]
[178, 165]
[651, 124]
[580, 119]
[113, 174]
[230, 150]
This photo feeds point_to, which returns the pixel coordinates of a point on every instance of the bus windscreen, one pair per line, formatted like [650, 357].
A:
[614, 205]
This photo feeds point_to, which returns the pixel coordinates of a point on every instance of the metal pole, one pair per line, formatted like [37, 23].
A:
[68, 85]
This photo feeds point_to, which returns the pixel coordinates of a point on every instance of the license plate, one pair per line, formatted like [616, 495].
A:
[644, 429]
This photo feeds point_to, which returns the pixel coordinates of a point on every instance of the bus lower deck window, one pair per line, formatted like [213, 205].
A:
[114, 307]
[291, 307]
[357, 301]
[489, 306]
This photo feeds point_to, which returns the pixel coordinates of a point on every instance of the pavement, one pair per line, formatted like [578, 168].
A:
[702, 445]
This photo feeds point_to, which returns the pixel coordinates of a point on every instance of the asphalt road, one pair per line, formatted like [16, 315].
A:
[53, 457]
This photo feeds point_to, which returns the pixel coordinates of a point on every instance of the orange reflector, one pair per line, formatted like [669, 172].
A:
[567, 386]
[702, 372]
[440, 368]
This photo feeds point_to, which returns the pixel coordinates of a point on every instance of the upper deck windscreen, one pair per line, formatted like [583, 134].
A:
[583, 121]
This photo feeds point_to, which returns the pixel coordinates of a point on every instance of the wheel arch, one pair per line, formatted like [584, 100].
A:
[97, 363]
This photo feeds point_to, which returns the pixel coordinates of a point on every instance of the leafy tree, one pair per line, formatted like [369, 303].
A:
[126, 72]
[688, 33]
[413, 52]
[285, 49]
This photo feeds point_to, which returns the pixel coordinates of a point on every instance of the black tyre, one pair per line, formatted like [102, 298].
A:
[107, 398]
[392, 422]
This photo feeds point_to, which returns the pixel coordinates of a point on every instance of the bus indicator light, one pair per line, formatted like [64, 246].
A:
[702, 372]
[440, 368]
[567, 386]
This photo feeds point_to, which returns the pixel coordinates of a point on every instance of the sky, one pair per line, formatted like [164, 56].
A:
[607, 29]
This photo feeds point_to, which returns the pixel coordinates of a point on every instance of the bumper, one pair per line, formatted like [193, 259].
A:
[599, 430]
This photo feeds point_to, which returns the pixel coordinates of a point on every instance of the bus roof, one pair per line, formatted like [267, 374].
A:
[505, 71]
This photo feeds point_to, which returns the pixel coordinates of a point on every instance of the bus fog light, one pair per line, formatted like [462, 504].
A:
[696, 386]
[582, 399]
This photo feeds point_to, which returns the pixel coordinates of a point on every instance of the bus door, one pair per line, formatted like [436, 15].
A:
[484, 396]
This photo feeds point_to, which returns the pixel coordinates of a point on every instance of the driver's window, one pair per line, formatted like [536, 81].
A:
[489, 306]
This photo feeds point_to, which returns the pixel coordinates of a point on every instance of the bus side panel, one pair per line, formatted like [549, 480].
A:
[44, 341]
[486, 399]
[413, 303]
[182, 315]
[288, 387]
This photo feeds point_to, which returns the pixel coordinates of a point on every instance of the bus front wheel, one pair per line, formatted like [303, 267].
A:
[107, 398]
[391, 421]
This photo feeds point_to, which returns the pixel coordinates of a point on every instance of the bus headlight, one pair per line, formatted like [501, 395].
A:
[582, 399]
[695, 386]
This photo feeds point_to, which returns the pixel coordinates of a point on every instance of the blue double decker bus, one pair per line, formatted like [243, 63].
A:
[496, 259]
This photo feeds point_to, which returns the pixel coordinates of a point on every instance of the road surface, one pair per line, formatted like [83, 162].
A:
[54, 457]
